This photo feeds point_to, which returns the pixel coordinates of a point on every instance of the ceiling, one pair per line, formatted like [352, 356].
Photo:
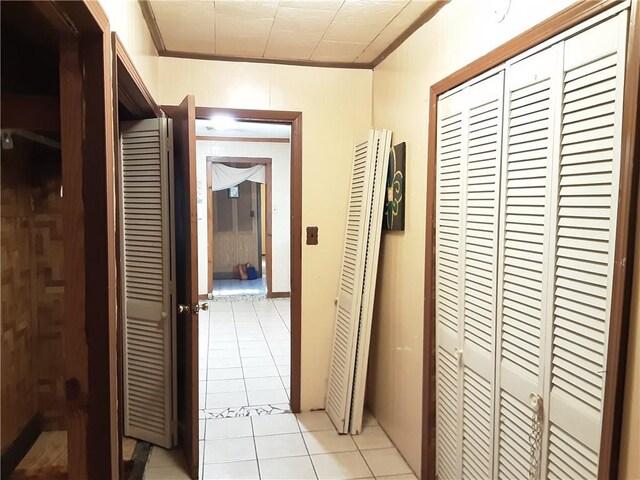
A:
[356, 33]
[228, 127]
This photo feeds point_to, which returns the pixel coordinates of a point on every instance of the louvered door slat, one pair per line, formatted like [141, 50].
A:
[451, 158]
[524, 259]
[146, 266]
[372, 250]
[479, 254]
[585, 201]
[340, 388]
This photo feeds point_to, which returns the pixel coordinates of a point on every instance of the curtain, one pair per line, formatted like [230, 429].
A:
[224, 177]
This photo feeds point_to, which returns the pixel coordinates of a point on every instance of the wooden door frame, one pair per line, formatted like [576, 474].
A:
[295, 120]
[87, 150]
[267, 162]
[625, 240]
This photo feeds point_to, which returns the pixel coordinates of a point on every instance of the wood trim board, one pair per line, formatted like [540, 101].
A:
[242, 139]
[295, 120]
[86, 113]
[622, 283]
[267, 162]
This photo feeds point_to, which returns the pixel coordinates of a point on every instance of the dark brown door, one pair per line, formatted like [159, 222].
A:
[184, 136]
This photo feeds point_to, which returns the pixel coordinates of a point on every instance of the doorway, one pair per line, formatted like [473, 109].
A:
[239, 219]
[244, 214]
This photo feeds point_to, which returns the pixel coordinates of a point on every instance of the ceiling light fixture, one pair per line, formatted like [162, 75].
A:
[223, 122]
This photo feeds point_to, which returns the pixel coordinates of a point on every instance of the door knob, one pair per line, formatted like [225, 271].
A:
[183, 308]
[200, 306]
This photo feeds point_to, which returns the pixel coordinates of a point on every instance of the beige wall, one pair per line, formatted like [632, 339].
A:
[460, 33]
[336, 108]
[125, 18]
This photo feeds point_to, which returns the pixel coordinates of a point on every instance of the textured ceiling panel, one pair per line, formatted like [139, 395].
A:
[315, 31]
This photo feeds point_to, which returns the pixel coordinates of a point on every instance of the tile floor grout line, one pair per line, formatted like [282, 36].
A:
[271, 351]
[244, 380]
[206, 386]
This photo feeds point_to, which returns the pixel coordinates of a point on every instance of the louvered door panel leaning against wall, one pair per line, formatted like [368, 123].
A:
[525, 239]
[145, 236]
[354, 306]
[350, 288]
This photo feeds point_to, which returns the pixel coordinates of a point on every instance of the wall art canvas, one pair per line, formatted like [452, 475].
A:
[394, 202]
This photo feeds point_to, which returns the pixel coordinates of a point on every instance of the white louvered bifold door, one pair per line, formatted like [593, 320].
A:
[146, 267]
[372, 251]
[340, 387]
[480, 216]
[584, 217]
[531, 99]
[467, 200]
[451, 152]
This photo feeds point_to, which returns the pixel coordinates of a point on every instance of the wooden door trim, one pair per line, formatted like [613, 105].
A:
[90, 309]
[267, 162]
[295, 120]
[624, 250]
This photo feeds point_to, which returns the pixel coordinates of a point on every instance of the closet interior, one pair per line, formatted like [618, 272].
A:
[528, 159]
[34, 408]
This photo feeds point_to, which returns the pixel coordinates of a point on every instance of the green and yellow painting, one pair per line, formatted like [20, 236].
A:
[394, 202]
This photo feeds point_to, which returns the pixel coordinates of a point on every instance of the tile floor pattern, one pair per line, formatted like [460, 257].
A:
[244, 371]
[244, 355]
[285, 447]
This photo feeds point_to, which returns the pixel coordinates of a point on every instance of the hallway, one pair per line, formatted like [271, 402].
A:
[247, 430]
[244, 357]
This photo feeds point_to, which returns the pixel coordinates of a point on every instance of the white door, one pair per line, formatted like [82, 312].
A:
[145, 234]
[531, 106]
[451, 154]
[371, 255]
[349, 300]
[467, 199]
[584, 212]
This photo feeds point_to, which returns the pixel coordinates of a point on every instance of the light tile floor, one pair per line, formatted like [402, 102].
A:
[244, 366]
[286, 447]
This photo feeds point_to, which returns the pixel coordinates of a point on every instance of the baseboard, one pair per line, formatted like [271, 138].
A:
[279, 295]
[15, 452]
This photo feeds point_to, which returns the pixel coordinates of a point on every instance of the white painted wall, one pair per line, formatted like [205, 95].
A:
[125, 18]
[280, 154]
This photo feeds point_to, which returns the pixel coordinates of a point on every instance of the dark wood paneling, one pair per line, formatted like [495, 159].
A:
[614, 389]
[14, 453]
[31, 112]
[19, 325]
